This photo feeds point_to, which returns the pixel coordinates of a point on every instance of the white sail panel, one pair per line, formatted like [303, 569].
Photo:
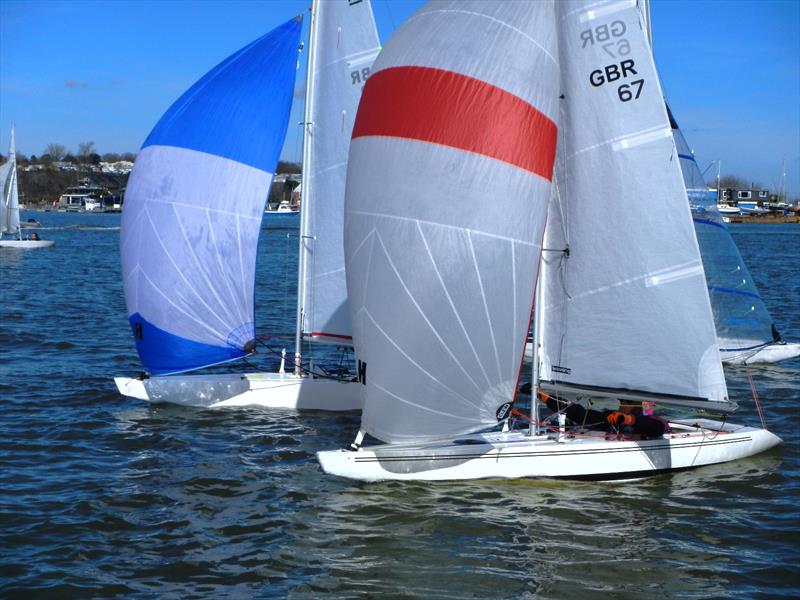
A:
[345, 47]
[9, 216]
[6, 169]
[447, 190]
[194, 204]
[627, 307]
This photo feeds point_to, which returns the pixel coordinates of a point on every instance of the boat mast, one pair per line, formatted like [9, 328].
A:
[306, 196]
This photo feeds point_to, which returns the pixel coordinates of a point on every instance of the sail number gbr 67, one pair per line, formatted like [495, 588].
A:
[608, 36]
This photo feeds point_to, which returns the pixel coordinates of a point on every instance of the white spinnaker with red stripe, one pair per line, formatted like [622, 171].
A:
[627, 308]
[449, 178]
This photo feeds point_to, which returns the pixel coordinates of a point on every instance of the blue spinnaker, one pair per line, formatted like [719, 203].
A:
[193, 208]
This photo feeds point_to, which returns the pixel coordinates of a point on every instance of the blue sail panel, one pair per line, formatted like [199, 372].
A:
[240, 108]
[163, 352]
[741, 318]
[193, 208]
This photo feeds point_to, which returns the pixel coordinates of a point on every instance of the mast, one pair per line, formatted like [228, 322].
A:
[305, 214]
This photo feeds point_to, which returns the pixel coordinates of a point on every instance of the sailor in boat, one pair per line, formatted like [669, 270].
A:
[629, 418]
[34, 237]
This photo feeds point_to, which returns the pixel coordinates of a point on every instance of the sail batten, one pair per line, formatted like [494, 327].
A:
[193, 208]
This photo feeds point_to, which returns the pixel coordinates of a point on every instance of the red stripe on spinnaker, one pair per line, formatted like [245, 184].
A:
[443, 107]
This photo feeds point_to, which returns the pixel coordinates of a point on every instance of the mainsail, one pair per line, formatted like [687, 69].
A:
[626, 309]
[342, 50]
[194, 204]
[440, 286]
[742, 320]
[9, 204]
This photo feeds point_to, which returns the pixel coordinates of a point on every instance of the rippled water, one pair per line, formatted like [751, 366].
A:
[102, 495]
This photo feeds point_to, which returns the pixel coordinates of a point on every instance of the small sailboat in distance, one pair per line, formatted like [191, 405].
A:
[9, 206]
[194, 209]
[470, 97]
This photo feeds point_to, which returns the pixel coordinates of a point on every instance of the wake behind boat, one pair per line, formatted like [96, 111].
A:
[189, 252]
[440, 296]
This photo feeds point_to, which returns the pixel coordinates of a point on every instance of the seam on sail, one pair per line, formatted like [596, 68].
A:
[421, 312]
[218, 256]
[425, 408]
[242, 275]
[445, 226]
[207, 208]
[203, 324]
[416, 364]
[455, 312]
[608, 9]
[325, 274]
[200, 268]
[665, 130]
[628, 281]
[318, 172]
[180, 273]
[514, 303]
[488, 18]
[485, 307]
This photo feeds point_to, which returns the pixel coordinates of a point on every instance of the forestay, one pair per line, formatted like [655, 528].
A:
[193, 208]
[448, 181]
[741, 318]
[626, 308]
[344, 49]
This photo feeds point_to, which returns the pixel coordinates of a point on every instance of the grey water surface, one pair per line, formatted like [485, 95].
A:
[105, 496]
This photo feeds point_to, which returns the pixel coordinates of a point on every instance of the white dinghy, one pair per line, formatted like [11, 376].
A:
[9, 206]
[189, 248]
[441, 293]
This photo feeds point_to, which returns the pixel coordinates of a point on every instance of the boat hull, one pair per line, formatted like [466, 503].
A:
[517, 455]
[26, 244]
[271, 390]
[767, 354]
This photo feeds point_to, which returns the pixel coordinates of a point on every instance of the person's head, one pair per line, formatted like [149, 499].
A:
[629, 407]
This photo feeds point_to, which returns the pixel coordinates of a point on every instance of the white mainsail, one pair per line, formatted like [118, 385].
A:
[626, 308]
[343, 47]
[9, 211]
[441, 288]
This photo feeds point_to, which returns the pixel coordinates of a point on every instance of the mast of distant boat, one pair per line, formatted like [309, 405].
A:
[305, 214]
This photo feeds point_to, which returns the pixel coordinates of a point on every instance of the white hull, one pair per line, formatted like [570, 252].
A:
[514, 455]
[26, 244]
[768, 354]
[271, 390]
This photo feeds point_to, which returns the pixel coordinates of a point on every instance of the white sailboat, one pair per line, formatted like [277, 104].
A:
[440, 294]
[9, 206]
[189, 248]
[746, 332]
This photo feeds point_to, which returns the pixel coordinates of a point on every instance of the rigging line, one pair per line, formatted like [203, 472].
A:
[514, 306]
[200, 269]
[222, 269]
[485, 307]
[419, 406]
[416, 364]
[458, 318]
[182, 277]
[488, 18]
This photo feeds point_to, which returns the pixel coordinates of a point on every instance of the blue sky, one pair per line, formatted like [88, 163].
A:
[105, 71]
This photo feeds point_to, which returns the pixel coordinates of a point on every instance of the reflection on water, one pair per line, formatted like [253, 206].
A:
[106, 496]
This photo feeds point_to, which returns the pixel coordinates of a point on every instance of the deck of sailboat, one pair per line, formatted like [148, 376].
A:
[580, 455]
